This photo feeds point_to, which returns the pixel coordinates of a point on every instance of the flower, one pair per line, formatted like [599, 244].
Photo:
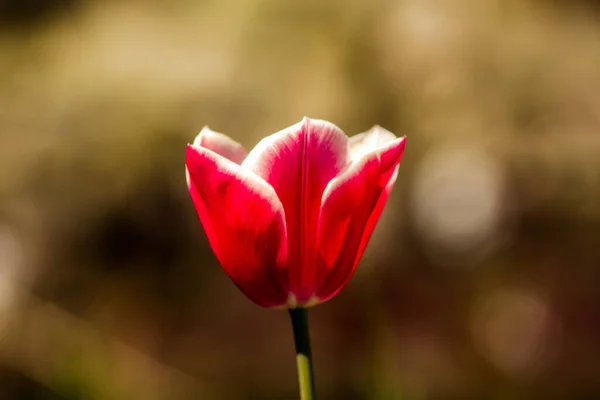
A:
[290, 220]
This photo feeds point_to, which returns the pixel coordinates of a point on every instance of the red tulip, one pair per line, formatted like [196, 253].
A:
[290, 220]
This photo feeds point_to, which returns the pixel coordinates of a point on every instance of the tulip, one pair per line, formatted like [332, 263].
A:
[290, 220]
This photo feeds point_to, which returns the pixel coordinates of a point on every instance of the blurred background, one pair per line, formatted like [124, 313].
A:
[482, 280]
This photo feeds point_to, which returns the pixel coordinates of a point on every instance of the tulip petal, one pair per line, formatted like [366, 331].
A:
[371, 140]
[220, 144]
[352, 205]
[299, 162]
[244, 223]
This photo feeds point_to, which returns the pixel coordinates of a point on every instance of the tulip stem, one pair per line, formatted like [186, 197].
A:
[306, 382]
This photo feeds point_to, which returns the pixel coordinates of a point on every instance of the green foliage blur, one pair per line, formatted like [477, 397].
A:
[482, 280]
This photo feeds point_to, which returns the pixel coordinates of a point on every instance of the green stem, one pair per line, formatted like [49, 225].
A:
[306, 382]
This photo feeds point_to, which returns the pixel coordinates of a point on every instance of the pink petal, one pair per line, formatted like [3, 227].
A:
[299, 162]
[371, 140]
[221, 144]
[244, 222]
[352, 205]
